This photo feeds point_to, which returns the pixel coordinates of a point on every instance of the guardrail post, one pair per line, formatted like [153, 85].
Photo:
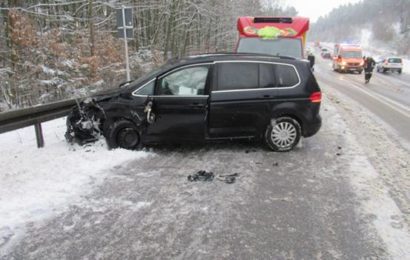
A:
[39, 135]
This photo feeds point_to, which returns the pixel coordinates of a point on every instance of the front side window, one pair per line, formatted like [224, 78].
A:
[185, 82]
[146, 90]
[232, 76]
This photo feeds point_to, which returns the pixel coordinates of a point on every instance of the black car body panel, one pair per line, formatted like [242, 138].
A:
[218, 108]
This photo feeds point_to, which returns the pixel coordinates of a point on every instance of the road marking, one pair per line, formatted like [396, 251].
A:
[388, 102]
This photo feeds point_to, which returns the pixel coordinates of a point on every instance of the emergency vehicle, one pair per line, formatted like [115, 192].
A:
[347, 57]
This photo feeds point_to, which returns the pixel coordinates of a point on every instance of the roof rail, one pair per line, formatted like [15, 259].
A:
[240, 54]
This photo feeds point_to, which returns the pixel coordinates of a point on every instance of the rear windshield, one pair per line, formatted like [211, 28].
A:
[276, 47]
[394, 60]
[352, 54]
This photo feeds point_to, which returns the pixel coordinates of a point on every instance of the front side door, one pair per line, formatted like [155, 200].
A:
[180, 104]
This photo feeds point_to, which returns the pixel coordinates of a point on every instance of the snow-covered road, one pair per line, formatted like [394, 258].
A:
[337, 196]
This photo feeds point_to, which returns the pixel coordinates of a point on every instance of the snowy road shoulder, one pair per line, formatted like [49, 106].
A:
[376, 201]
[102, 202]
[39, 183]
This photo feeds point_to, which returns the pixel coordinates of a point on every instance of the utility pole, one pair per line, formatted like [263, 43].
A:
[91, 27]
[127, 63]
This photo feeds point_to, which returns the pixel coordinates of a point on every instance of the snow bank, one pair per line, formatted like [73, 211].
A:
[39, 183]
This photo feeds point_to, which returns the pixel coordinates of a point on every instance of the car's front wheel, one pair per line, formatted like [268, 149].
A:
[123, 134]
[283, 134]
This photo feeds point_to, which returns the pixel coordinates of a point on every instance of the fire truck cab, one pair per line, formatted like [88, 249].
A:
[347, 57]
[278, 36]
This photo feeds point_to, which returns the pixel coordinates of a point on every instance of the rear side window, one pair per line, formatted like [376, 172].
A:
[286, 76]
[394, 60]
[267, 76]
[237, 76]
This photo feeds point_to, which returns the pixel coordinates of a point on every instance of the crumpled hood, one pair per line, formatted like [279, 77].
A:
[106, 94]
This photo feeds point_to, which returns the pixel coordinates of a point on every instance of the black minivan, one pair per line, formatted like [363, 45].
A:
[206, 97]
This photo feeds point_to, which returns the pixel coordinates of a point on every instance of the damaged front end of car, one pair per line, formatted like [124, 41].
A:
[84, 123]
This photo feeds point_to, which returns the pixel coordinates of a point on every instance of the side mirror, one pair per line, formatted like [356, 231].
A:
[311, 59]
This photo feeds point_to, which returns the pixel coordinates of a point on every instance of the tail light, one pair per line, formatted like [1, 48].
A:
[316, 97]
[385, 62]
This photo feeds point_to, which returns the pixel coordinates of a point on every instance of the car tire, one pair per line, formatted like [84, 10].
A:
[283, 134]
[399, 71]
[123, 134]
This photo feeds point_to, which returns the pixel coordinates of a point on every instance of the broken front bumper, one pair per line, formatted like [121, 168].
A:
[84, 124]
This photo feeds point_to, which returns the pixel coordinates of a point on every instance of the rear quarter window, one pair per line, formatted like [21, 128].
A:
[286, 76]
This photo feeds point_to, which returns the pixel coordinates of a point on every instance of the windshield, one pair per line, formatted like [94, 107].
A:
[277, 47]
[352, 54]
[145, 77]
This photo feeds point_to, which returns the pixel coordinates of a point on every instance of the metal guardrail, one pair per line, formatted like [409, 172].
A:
[17, 119]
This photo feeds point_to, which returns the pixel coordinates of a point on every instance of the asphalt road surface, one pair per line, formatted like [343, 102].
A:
[342, 194]
[387, 95]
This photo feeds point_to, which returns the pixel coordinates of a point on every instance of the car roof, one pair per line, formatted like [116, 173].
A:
[212, 57]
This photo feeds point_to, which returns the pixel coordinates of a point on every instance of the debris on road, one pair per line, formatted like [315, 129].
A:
[229, 178]
[201, 176]
[209, 176]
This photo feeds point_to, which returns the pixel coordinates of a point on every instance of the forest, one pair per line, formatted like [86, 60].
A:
[58, 49]
[385, 22]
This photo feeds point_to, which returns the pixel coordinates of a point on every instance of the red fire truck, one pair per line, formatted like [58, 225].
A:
[279, 36]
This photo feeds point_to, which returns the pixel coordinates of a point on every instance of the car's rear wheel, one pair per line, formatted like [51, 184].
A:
[123, 134]
[283, 134]
[399, 71]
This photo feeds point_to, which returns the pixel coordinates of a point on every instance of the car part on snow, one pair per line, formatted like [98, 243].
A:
[229, 178]
[209, 176]
[201, 176]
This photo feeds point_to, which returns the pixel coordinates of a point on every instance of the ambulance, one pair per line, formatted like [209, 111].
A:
[347, 58]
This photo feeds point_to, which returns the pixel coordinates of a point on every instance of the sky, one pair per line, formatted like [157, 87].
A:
[316, 8]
